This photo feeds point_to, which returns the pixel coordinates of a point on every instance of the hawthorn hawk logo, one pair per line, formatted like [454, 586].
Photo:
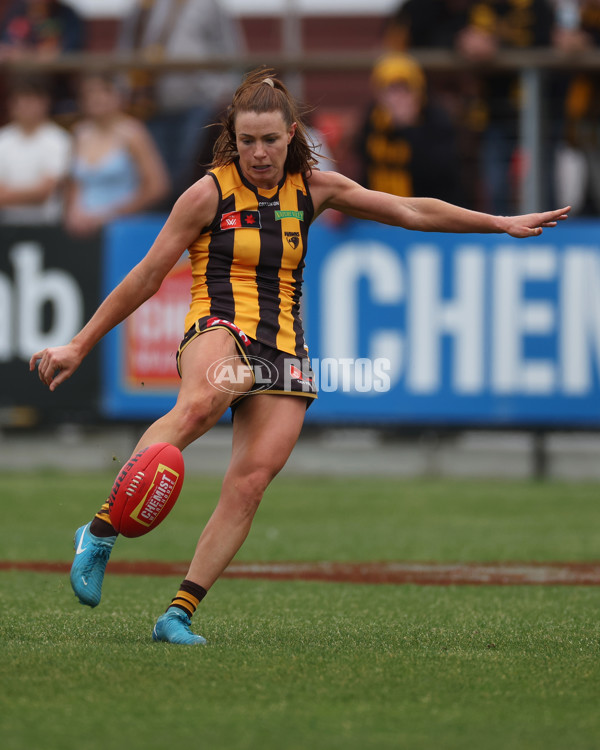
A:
[293, 238]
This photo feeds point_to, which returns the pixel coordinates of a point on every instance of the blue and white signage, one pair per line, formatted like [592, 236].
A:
[413, 328]
[469, 329]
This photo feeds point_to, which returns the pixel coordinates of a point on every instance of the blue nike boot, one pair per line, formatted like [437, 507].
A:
[87, 572]
[174, 627]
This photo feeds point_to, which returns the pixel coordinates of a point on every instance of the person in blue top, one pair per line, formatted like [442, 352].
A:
[117, 169]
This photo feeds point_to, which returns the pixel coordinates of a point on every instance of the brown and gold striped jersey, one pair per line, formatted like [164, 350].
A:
[247, 265]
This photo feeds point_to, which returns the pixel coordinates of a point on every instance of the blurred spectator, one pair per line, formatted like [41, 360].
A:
[578, 157]
[438, 24]
[177, 106]
[486, 105]
[44, 29]
[34, 157]
[116, 169]
[426, 23]
[432, 24]
[495, 25]
[408, 145]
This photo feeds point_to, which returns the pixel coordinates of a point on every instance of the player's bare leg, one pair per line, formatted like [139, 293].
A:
[199, 406]
[265, 431]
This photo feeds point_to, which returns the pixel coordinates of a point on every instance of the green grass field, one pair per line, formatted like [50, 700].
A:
[308, 665]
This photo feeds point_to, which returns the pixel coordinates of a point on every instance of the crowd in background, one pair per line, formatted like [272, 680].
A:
[484, 106]
[85, 150]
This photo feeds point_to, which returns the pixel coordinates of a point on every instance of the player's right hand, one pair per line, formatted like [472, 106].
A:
[56, 364]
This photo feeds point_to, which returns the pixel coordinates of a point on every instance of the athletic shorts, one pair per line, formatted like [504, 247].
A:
[274, 372]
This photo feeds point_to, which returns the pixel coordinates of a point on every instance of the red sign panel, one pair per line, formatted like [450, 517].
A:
[154, 331]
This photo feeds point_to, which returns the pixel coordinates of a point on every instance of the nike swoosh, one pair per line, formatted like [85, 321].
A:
[84, 581]
[81, 549]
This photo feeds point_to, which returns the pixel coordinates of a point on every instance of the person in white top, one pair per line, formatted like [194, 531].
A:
[35, 156]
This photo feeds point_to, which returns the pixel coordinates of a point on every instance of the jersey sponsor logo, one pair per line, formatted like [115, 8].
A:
[222, 322]
[297, 374]
[279, 215]
[293, 238]
[241, 220]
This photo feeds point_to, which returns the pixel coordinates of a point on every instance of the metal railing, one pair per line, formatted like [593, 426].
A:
[531, 65]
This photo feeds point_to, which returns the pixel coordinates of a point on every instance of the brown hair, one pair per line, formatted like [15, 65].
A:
[261, 92]
[29, 84]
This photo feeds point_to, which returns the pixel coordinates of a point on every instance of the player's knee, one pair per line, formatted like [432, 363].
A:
[251, 488]
[197, 416]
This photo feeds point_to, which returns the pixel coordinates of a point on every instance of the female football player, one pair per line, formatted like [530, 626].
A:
[245, 225]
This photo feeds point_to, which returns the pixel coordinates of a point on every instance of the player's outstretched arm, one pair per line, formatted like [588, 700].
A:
[332, 190]
[192, 212]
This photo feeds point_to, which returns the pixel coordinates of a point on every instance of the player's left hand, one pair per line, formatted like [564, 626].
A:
[56, 364]
[531, 225]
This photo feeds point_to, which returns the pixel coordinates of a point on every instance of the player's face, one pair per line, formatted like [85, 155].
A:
[262, 142]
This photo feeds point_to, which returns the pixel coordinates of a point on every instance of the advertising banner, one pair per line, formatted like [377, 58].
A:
[406, 328]
[140, 377]
[455, 329]
[49, 287]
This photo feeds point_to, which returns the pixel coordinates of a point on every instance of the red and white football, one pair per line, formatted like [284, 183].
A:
[146, 489]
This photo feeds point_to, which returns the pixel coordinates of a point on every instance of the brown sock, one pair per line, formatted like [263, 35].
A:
[101, 525]
[188, 597]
